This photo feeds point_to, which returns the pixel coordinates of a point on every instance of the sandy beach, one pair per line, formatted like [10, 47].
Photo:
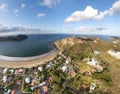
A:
[27, 63]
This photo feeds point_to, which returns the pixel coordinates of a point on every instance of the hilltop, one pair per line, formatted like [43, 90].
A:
[84, 48]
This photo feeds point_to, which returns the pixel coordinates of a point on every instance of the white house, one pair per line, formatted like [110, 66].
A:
[20, 70]
[7, 91]
[115, 54]
[5, 79]
[27, 80]
[64, 68]
[40, 69]
[96, 52]
[5, 70]
[11, 71]
[93, 62]
[67, 61]
[48, 66]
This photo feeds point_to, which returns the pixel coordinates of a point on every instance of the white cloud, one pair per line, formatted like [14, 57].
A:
[3, 7]
[88, 13]
[115, 8]
[94, 14]
[23, 5]
[86, 29]
[41, 15]
[16, 12]
[49, 3]
[6, 30]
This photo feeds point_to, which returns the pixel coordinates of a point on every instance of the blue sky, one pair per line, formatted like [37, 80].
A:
[60, 16]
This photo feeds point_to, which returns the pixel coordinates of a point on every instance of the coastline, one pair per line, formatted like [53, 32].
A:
[28, 62]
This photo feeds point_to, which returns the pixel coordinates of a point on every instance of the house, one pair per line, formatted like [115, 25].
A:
[73, 73]
[16, 72]
[115, 54]
[11, 71]
[40, 69]
[96, 52]
[93, 62]
[7, 91]
[34, 82]
[48, 66]
[92, 87]
[21, 71]
[99, 68]
[68, 60]
[64, 68]
[5, 70]
[27, 80]
[5, 79]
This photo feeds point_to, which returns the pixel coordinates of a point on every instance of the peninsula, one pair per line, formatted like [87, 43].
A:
[13, 38]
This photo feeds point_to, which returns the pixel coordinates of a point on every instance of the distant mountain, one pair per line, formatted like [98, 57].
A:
[14, 38]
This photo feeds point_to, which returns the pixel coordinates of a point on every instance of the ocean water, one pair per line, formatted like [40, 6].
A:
[34, 45]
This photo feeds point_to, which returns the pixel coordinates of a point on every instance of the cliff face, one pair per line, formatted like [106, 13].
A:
[14, 38]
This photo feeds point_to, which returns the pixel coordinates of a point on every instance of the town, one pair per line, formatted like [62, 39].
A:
[64, 74]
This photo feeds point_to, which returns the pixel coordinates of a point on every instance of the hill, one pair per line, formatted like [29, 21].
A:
[84, 48]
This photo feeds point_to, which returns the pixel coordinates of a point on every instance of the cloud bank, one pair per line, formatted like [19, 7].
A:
[93, 14]
[15, 30]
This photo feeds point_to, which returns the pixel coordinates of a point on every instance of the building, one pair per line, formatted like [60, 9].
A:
[64, 68]
[27, 80]
[40, 69]
[115, 54]
[5, 70]
[5, 79]
[93, 62]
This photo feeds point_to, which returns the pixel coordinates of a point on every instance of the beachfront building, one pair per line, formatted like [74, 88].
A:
[115, 54]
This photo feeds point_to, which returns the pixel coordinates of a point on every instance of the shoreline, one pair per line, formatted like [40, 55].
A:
[28, 62]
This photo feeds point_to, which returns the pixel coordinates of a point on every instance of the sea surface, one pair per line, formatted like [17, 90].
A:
[35, 45]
